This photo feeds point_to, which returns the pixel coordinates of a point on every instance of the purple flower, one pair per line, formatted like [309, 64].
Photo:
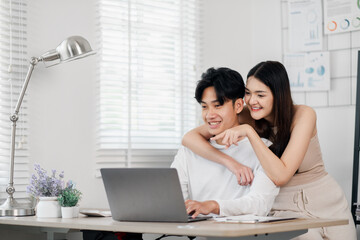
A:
[43, 185]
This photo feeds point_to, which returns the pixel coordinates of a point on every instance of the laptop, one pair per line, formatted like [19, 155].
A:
[145, 194]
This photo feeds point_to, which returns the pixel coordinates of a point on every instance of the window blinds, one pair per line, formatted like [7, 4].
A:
[13, 68]
[149, 53]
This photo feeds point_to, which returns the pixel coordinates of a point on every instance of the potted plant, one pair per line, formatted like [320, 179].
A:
[68, 199]
[46, 188]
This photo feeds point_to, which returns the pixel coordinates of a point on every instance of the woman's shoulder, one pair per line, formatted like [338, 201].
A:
[304, 117]
[303, 111]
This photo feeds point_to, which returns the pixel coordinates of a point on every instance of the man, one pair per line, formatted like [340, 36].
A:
[209, 187]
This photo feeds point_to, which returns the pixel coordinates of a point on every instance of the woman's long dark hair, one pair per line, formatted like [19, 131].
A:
[273, 74]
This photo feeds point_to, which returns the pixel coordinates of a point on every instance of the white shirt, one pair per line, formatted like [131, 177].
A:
[202, 180]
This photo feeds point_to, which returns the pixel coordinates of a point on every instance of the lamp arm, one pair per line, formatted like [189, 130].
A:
[13, 118]
[33, 62]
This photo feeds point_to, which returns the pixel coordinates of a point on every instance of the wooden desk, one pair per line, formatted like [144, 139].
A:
[210, 229]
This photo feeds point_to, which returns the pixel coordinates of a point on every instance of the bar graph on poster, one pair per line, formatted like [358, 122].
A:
[305, 25]
[341, 16]
[308, 71]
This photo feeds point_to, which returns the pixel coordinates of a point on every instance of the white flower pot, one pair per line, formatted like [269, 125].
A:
[48, 207]
[76, 211]
[70, 212]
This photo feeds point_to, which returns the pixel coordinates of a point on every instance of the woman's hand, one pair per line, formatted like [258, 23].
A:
[232, 135]
[244, 174]
[195, 208]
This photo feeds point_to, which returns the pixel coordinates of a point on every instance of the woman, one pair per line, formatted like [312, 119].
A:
[294, 159]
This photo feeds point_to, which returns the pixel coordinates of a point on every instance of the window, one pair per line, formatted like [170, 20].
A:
[149, 53]
[13, 68]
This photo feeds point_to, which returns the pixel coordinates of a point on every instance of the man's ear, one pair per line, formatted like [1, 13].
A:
[239, 105]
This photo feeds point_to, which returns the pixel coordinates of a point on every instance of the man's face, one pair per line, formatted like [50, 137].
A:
[218, 117]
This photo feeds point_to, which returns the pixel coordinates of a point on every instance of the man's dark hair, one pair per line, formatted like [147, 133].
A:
[228, 84]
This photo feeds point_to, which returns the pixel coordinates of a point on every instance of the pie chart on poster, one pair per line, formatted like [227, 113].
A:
[309, 70]
[332, 26]
[320, 70]
[311, 16]
[345, 24]
[356, 22]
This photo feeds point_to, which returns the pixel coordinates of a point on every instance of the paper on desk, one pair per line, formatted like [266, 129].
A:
[251, 219]
[95, 213]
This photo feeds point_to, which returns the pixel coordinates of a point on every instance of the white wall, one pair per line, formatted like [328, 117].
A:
[226, 41]
[237, 34]
[240, 33]
[61, 98]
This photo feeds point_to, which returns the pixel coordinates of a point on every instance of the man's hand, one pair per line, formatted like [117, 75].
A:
[243, 173]
[195, 208]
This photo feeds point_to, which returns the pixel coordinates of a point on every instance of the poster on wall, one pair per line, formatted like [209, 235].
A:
[305, 25]
[308, 71]
[341, 16]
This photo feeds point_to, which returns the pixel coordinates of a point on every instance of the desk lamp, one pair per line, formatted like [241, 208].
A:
[72, 48]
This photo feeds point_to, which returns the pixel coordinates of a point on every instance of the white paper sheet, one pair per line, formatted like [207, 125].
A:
[341, 16]
[308, 71]
[305, 25]
[252, 219]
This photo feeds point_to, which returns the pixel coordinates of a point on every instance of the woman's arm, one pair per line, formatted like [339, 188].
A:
[196, 140]
[279, 170]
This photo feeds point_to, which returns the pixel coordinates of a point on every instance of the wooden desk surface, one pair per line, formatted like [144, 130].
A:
[208, 228]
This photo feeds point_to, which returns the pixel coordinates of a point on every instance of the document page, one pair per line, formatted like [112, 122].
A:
[95, 212]
[252, 219]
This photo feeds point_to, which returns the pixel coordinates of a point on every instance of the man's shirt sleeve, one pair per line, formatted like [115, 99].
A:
[258, 201]
[180, 164]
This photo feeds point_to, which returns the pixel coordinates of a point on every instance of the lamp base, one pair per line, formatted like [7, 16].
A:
[11, 208]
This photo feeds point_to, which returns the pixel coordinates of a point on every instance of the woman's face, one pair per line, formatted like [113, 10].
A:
[259, 99]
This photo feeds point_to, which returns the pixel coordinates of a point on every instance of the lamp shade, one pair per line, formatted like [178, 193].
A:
[72, 48]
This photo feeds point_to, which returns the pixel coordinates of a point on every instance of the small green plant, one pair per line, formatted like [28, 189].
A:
[69, 196]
